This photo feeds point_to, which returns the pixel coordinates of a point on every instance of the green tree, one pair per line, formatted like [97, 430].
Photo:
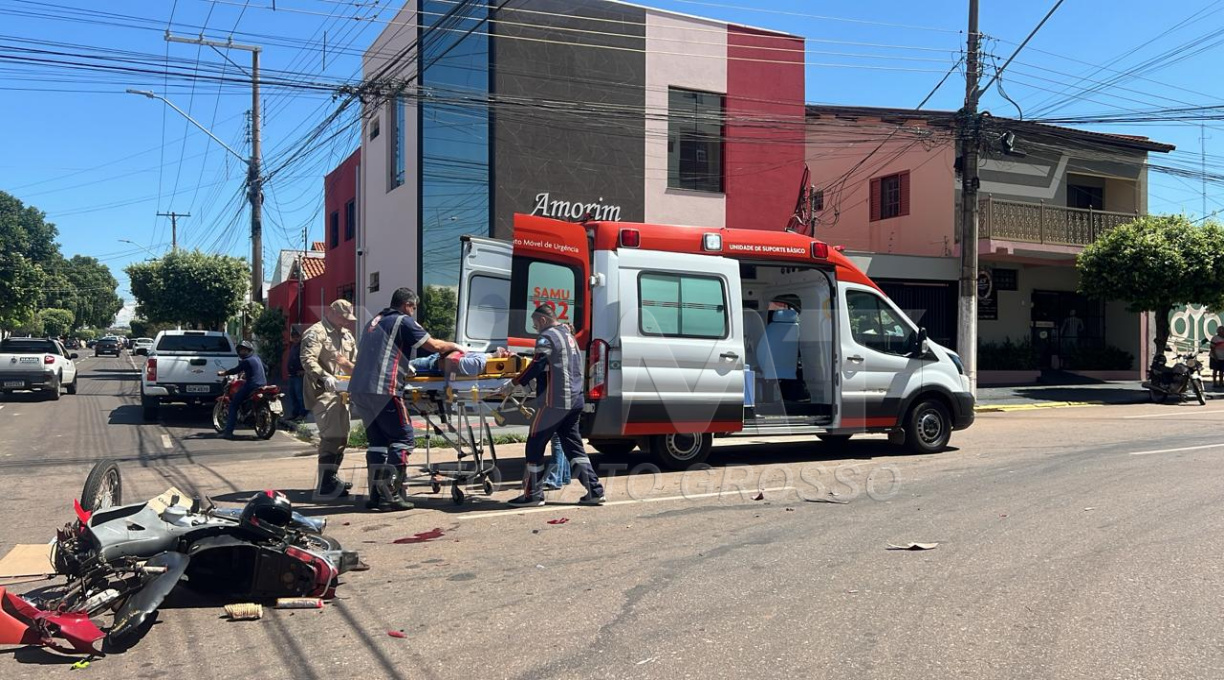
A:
[1155, 264]
[93, 300]
[438, 307]
[55, 322]
[190, 288]
[27, 243]
[143, 328]
[269, 329]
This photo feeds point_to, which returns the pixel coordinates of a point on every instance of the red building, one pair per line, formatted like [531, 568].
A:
[340, 236]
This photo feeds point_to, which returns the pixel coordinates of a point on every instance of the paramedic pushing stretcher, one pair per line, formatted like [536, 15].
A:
[384, 351]
[557, 366]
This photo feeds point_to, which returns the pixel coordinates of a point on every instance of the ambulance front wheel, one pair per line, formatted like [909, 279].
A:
[928, 427]
[681, 451]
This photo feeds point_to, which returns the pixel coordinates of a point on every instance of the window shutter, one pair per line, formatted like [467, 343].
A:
[875, 200]
[905, 196]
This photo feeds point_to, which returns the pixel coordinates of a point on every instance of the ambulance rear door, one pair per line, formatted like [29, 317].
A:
[483, 309]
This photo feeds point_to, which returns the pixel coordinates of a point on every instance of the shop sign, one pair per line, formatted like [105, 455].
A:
[545, 206]
[988, 300]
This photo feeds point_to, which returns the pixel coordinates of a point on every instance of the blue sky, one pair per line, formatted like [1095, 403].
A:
[102, 163]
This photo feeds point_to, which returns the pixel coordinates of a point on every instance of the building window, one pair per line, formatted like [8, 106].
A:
[350, 220]
[347, 292]
[681, 306]
[890, 196]
[333, 230]
[1085, 197]
[694, 140]
[398, 141]
[874, 325]
[373, 282]
[374, 128]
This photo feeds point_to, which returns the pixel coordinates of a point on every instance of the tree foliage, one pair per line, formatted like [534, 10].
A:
[269, 329]
[55, 322]
[438, 308]
[1155, 264]
[143, 328]
[27, 241]
[190, 288]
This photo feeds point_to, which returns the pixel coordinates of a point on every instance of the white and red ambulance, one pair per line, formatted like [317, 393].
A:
[691, 332]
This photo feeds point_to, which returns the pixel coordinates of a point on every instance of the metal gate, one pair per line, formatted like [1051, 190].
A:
[930, 304]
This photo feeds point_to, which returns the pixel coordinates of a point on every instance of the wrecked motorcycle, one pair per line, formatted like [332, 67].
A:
[127, 558]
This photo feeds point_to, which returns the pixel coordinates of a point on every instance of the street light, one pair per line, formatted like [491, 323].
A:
[124, 240]
[167, 102]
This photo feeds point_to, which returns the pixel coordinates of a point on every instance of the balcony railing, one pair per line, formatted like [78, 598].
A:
[1048, 224]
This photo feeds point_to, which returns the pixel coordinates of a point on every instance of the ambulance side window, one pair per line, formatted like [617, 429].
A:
[682, 305]
[873, 324]
[548, 284]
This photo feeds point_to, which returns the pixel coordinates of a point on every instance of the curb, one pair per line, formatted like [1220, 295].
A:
[1006, 408]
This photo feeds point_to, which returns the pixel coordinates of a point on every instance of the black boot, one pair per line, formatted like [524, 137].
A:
[330, 484]
[382, 493]
[399, 494]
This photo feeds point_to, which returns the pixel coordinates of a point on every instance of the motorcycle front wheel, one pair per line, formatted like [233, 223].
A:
[220, 413]
[1198, 392]
[265, 422]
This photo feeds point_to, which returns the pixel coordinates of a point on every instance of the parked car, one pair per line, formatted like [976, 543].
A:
[89, 344]
[39, 364]
[182, 367]
[107, 346]
[142, 346]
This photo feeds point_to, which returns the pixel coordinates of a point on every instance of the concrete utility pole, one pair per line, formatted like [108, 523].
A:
[173, 227]
[254, 176]
[969, 126]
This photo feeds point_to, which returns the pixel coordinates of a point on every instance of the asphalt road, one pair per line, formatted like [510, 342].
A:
[1073, 543]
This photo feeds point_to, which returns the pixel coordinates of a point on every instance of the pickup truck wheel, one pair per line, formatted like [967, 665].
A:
[54, 392]
[149, 407]
[72, 386]
[681, 451]
[928, 427]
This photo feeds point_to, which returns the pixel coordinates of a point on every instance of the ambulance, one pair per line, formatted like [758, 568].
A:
[691, 333]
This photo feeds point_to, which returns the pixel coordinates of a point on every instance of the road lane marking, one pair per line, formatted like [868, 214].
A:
[575, 506]
[166, 441]
[1181, 448]
[1178, 413]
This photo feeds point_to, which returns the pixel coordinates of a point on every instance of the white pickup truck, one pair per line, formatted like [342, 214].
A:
[36, 364]
[182, 367]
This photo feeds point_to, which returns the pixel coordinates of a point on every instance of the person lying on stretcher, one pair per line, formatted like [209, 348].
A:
[457, 362]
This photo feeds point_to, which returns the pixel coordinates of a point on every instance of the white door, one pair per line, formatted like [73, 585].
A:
[877, 371]
[482, 311]
[680, 344]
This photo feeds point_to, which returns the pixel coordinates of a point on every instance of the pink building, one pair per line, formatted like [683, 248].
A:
[891, 191]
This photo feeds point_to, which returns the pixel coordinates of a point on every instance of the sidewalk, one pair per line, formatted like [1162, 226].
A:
[1039, 396]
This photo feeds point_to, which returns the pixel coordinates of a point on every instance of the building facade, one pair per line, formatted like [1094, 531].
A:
[566, 109]
[890, 184]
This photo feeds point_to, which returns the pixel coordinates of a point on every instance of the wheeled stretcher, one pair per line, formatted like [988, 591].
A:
[458, 409]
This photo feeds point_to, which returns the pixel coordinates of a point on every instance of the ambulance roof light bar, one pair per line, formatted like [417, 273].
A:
[711, 242]
[630, 238]
[820, 251]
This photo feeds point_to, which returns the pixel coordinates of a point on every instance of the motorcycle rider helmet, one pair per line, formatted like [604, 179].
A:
[267, 514]
[246, 344]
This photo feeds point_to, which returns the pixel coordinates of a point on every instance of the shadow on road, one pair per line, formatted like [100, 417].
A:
[171, 416]
[24, 397]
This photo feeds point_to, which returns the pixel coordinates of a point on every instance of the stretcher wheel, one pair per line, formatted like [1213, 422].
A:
[456, 493]
[488, 486]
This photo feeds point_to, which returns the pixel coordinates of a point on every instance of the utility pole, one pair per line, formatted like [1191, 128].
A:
[969, 127]
[1203, 160]
[173, 227]
[254, 176]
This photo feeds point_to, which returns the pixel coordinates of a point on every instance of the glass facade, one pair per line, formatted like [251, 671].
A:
[455, 177]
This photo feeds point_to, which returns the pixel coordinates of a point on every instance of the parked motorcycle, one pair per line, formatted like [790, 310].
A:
[127, 558]
[262, 410]
[1165, 381]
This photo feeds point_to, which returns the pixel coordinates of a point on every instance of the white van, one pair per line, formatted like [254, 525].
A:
[691, 332]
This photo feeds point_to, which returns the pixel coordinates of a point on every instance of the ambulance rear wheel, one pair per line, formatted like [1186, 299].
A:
[614, 447]
[681, 451]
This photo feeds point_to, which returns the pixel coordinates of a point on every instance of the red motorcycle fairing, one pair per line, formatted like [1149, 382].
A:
[21, 623]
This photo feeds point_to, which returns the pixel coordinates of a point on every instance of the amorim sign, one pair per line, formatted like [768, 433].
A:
[545, 206]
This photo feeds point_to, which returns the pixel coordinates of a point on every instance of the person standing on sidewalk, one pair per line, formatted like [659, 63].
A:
[328, 351]
[559, 362]
[1217, 357]
[385, 351]
[294, 367]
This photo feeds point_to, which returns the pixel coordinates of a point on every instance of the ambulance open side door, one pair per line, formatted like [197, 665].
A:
[483, 309]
